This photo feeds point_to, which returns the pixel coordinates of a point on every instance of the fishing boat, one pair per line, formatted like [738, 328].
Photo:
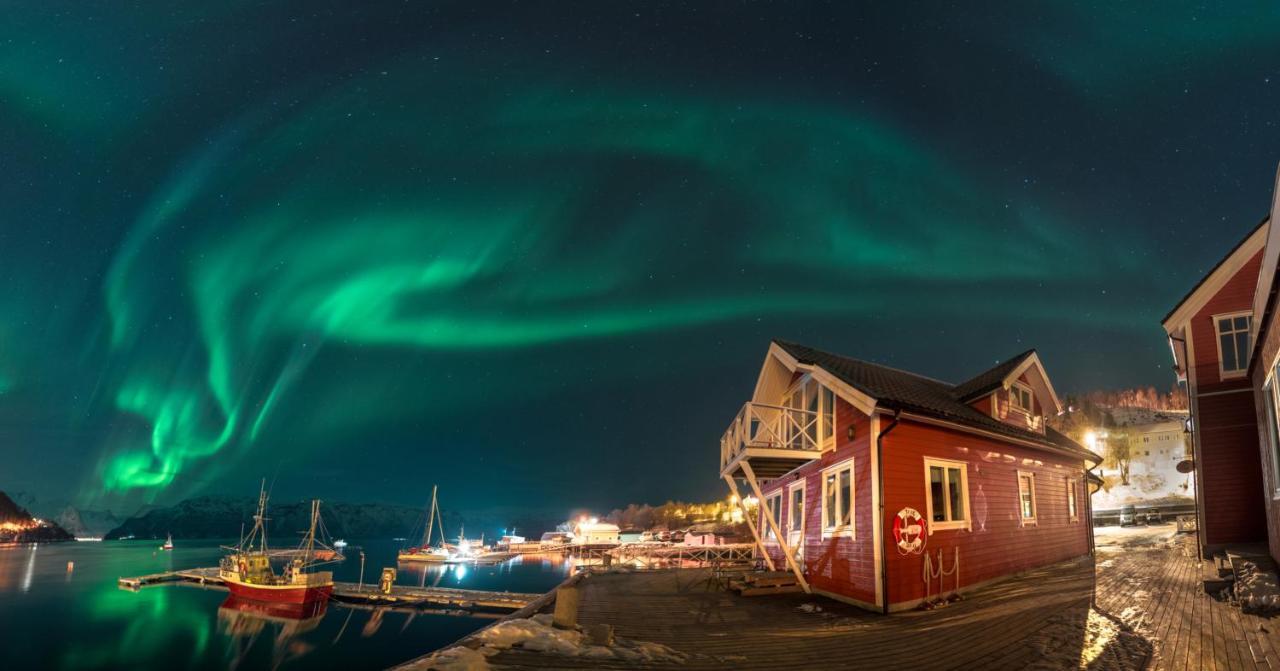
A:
[424, 552]
[248, 572]
[168, 543]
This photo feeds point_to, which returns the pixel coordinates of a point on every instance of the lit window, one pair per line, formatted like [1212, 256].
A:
[947, 494]
[1269, 397]
[795, 511]
[1020, 397]
[837, 500]
[774, 504]
[1233, 343]
[1071, 500]
[1027, 497]
[795, 518]
[812, 420]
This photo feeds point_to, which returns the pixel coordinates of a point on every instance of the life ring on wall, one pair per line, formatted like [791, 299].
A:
[909, 531]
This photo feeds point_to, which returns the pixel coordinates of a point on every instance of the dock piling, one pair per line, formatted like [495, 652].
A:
[566, 612]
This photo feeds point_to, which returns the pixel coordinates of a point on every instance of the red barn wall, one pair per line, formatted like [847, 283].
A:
[997, 545]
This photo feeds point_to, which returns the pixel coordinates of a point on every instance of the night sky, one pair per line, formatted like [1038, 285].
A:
[535, 252]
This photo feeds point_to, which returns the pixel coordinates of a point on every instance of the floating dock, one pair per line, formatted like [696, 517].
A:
[402, 596]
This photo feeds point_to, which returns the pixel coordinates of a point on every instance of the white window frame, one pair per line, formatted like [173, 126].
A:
[825, 443]
[1035, 505]
[944, 464]
[1031, 398]
[767, 531]
[1073, 501]
[829, 530]
[1272, 405]
[795, 536]
[1224, 374]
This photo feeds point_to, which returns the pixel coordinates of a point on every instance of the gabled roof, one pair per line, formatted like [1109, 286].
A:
[989, 380]
[1221, 271]
[895, 389]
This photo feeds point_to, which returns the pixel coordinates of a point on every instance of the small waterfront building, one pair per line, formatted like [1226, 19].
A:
[593, 532]
[552, 539]
[1211, 333]
[869, 475]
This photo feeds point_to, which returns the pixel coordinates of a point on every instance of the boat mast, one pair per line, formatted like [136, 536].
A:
[431, 518]
[260, 517]
[311, 533]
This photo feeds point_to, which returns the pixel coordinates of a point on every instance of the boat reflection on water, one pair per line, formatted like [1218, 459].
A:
[244, 620]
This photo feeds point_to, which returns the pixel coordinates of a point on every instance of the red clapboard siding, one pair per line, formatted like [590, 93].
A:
[1231, 469]
[1235, 296]
[998, 544]
[1230, 463]
[844, 566]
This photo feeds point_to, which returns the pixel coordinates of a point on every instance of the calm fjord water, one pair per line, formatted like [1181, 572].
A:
[53, 618]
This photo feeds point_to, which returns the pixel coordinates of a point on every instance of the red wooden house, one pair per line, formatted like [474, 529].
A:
[867, 475]
[1211, 332]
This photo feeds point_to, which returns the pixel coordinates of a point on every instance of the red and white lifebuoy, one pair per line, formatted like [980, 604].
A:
[909, 531]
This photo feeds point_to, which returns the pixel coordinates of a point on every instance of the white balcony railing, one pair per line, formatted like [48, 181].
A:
[769, 426]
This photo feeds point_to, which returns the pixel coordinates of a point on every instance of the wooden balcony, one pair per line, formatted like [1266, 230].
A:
[773, 439]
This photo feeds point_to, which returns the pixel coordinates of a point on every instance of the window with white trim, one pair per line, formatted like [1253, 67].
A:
[1233, 343]
[946, 494]
[1269, 396]
[816, 424]
[1027, 497]
[773, 503]
[1020, 397]
[837, 500]
[795, 515]
[1071, 501]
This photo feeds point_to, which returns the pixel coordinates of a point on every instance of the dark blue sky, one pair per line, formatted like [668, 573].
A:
[535, 252]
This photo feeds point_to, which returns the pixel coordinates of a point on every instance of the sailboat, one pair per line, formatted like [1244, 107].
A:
[168, 543]
[247, 571]
[426, 553]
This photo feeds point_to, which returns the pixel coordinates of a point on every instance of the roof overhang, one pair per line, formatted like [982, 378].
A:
[770, 385]
[1216, 279]
[1269, 259]
[1083, 454]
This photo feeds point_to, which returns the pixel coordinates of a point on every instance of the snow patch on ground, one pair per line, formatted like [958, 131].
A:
[1084, 638]
[809, 608]
[537, 634]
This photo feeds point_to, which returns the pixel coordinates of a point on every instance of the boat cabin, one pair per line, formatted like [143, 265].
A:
[868, 475]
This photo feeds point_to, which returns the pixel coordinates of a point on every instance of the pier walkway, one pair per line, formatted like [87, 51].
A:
[1140, 604]
[401, 596]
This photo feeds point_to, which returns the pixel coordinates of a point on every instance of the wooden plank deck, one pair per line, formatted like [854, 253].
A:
[402, 596]
[681, 609]
[1155, 590]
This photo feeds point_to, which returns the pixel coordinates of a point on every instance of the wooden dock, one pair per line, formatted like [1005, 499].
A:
[401, 596]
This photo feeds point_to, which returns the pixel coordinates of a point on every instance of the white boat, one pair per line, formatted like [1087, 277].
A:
[168, 543]
[339, 544]
[424, 552]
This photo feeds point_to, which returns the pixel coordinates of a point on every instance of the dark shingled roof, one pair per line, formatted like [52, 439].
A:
[896, 389]
[986, 382]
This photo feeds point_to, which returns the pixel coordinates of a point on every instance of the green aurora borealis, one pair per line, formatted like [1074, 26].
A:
[365, 249]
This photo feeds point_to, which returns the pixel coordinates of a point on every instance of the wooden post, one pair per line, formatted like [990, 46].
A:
[773, 525]
[733, 488]
[566, 613]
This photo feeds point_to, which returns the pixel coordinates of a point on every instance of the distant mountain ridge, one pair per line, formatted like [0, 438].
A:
[223, 517]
